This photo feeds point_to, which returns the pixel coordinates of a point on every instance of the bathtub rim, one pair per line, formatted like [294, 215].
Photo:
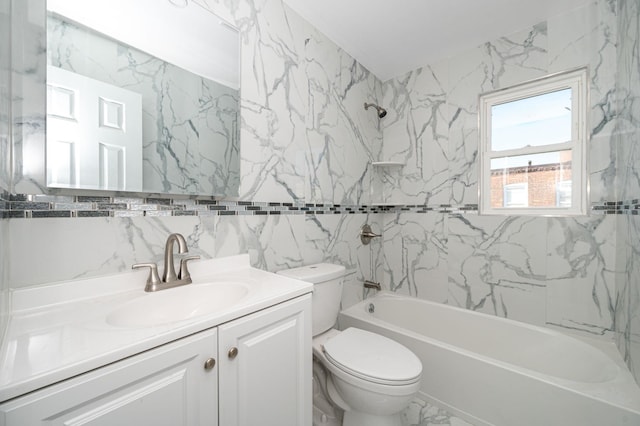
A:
[623, 379]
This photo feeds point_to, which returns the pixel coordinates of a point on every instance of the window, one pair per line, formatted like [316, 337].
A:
[563, 194]
[516, 195]
[532, 147]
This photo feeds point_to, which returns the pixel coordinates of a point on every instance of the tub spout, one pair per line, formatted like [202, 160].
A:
[372, 284]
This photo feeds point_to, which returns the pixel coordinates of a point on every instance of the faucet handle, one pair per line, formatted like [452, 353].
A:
[366, 234]
[153, 280]
[184, 274]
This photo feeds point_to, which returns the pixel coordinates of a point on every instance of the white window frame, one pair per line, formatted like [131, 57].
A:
[578, 81]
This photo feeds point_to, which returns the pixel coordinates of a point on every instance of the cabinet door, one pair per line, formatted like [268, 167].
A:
[164, 386]
[266, 380]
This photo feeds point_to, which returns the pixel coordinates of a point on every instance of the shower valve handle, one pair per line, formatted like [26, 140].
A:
[366, 234]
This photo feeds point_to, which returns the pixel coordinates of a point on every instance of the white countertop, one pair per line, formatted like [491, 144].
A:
[58, 331]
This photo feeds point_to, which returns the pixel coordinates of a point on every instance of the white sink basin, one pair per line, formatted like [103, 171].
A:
[178, 304]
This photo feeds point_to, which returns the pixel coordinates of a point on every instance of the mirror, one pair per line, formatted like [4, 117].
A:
[142, 96]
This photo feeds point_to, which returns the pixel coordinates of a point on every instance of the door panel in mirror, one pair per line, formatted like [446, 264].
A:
[94, 134]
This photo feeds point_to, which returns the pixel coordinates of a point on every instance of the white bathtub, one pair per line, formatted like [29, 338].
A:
[494, 371]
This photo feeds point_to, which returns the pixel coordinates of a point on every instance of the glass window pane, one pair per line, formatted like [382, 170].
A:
[563, 194]
[537, 180]
[516, 195]
[535, 121]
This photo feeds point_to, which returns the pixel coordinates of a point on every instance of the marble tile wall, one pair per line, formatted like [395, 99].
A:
[50, 250]
[305, 138]
[305, 134]
[5, 153]
[5, 95]
[545, 271]
[628, 184]
[28, 65]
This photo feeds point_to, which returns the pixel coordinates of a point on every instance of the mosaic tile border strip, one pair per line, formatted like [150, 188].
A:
[631, 207]
[22, 206]
[14, 206]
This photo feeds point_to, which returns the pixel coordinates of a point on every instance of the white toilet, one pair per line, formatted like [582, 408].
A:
[370, 377]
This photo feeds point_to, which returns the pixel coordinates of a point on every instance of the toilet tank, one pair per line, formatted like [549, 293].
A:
[327, 281]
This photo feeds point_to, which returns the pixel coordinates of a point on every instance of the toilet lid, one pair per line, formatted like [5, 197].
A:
[373, 357]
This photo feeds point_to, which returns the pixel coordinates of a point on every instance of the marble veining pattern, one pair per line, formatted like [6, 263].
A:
[307, 139]
[305, 135]
[497, 265]
[588, 36]
[627, 313]
[28, 65]
[415, 255]
[5, 96]
[5, 157]
[336, 239]
[557, 272]
[493, 65]
[581, 273]
[420, 413]
[416, 134]
[190, 125]
[627, 130]
[628, 292]
[260, 237]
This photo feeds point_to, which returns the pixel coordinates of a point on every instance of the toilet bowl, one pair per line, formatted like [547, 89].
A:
[372, 378]
[369, 376]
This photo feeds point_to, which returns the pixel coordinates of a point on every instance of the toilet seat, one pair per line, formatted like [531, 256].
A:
[372, 357]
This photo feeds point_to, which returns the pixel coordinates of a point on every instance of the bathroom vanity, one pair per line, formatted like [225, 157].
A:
[101, 360]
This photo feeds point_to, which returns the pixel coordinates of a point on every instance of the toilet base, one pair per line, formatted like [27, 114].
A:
[321, 418]
[354, 418]
[324, 412]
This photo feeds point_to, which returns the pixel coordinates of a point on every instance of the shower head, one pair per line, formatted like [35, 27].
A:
[381, 111]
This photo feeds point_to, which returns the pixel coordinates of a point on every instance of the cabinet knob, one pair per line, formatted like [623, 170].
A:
[233, 352]
[209, 364]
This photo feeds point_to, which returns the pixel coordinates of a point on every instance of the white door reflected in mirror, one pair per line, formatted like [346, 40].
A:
[94, 133]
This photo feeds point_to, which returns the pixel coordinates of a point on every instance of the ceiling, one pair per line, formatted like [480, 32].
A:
[391, 38]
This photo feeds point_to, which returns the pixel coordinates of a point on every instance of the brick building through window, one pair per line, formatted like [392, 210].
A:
[547, 185]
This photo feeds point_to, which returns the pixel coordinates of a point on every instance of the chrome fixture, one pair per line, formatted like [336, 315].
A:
[372, 284]
[209, 364]
[233, 352]
[169, 277]
[381, 111]
[169, 274]
[366, 234]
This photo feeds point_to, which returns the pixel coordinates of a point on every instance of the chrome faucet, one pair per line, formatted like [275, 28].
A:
[169, 274]
[169, 277]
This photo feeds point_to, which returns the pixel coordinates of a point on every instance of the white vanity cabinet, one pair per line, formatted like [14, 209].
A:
[265, 367]
[165, 386]
[267, 382]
